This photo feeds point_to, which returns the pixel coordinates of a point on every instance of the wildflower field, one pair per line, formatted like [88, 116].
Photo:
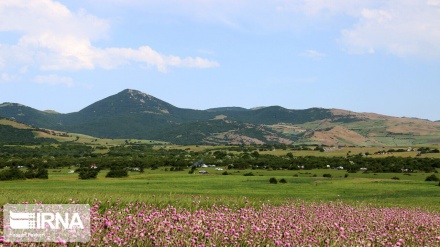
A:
[295, 223]
[160, 208]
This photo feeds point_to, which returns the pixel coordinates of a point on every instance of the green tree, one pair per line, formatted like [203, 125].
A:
[433, 177]
[13, 173]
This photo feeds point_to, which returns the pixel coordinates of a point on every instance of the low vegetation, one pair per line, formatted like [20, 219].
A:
[295, 223]
[432, 177]
[356, 207]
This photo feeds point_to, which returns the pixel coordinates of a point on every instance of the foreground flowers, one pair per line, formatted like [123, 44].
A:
[292, 224]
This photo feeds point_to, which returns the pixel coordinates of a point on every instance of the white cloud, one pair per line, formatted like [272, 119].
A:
[53, 80]
[113, 57]
[313, 54]
[54, 38]
[401, 27]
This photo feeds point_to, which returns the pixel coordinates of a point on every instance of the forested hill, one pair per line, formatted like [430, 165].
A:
[134, 114]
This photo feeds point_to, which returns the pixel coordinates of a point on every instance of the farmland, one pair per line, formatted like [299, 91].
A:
[165, 173]
[178, 188]
[168, 187]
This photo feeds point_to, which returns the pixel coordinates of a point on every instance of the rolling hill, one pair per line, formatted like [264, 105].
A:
[136, 115]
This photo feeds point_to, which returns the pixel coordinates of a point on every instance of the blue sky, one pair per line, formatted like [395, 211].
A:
[365, 56]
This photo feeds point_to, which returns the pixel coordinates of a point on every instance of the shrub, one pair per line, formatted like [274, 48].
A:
[346, 175]
[39, 173]
[12, 173]
[29, 174]
[193, 169]
[42, 173]
[87, 173]
[433, 177]
[119, 173]
[283, 181]
[395, 178]
[273, 181]
[248, 174]
[327, 175]
[225, 173]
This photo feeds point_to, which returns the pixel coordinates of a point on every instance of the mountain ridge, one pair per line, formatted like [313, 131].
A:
[134, 114]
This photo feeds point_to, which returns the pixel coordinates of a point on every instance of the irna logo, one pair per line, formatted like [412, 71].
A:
[45, 220]
[46, 223]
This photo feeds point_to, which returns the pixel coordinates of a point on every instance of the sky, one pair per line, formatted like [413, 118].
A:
[379, 56]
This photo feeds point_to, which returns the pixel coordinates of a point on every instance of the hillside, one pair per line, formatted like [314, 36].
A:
[136, 115]
[12, 132]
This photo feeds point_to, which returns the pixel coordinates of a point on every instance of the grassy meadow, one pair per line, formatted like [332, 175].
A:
[161, 187]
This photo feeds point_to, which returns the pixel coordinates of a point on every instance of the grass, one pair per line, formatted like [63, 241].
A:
[162, 187]
[86, 139]
[4, 121]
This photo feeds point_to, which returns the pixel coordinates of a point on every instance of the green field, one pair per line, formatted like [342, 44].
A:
[161, 187]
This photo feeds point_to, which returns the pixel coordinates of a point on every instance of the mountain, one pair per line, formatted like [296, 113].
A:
[132, 114]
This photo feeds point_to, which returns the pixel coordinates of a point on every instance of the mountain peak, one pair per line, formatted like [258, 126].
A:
[137, 95]
[134, 93]
[129, 101]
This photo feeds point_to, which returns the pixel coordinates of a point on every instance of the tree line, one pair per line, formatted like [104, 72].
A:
[138, 157]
